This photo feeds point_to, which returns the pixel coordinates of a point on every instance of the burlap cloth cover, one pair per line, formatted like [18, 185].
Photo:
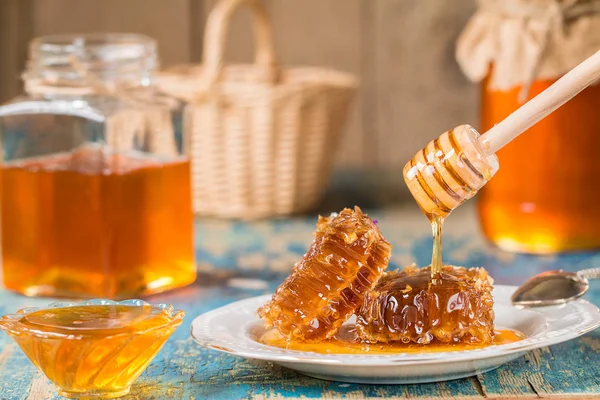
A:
[527, 40]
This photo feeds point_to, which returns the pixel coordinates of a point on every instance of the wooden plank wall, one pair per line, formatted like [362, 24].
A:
[15, 31]
[402, 51]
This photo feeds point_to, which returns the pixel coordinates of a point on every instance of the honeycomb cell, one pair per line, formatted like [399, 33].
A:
[408, 306]
[328, 285]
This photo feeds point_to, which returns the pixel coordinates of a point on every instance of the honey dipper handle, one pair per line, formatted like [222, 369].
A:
[541, 105]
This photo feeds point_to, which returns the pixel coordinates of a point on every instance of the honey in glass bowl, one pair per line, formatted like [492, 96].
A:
[96, 348]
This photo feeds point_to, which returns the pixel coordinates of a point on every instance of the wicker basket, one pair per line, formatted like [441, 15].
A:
[261, 139]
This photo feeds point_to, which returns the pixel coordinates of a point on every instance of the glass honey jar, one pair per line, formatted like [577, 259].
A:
[543, 199]
[95, 193]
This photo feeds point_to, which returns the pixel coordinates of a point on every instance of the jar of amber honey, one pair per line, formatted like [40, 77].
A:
[95, 193]
[544, 197]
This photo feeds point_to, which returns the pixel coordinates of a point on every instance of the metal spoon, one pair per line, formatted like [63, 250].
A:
[554, 287]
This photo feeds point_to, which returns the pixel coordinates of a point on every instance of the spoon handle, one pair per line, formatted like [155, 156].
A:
[592, 273]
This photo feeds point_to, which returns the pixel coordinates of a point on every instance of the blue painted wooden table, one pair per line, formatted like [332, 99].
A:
[238, 260]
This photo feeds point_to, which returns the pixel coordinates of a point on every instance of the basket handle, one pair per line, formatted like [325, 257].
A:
[215, 38]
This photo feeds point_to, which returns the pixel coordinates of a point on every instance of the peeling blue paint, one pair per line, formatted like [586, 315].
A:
[183, 370]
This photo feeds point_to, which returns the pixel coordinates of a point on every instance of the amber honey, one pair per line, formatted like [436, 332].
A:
[346, 341]
[544, 198]
[93, 350]
[346, 259]
[436, 253]
[95, 224]
[410, 307]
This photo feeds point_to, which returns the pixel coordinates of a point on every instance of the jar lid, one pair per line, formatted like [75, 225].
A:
[100, 59]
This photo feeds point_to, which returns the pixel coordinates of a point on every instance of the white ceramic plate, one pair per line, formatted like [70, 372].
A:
[230, 329]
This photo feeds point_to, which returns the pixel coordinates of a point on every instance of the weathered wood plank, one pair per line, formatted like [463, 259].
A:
[420, 89]
[197, 20]
[551, 372]
[231, 253]
[371, 132]
[40, 388]
[15, 32]
[166, 21]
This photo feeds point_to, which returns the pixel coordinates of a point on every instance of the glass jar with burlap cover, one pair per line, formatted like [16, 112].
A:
[544, 197]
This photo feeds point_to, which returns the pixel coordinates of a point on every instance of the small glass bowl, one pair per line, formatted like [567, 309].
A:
[96, 348]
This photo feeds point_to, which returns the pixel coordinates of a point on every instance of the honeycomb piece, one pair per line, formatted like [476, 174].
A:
[407, 306]
[345, 260]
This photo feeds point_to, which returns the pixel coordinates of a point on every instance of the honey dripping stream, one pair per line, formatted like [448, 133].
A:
[436, 254]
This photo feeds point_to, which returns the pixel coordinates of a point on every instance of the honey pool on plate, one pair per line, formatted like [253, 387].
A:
[92, 350]
[346, 341]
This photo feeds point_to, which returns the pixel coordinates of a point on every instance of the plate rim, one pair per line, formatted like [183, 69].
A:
[353, 360]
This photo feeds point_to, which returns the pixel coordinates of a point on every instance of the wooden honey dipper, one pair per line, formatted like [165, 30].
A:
[452, 168]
